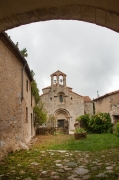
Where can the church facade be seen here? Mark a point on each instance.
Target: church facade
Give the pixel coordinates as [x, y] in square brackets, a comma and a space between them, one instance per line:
[59, 100]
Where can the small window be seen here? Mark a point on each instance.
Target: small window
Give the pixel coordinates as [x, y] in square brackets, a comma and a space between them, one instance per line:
[26, 114]
[51, 98]
[31, 99]
[71, 98]
[61, 98]
[27, 83]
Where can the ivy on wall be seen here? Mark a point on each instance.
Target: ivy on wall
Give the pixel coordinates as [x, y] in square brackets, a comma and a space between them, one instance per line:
[34, 88]
[35, 91]
[40, 114]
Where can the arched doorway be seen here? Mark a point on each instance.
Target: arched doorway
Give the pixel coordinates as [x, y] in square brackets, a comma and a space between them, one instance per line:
[62, 119]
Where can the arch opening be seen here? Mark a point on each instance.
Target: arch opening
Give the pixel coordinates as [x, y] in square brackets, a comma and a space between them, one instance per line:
[62, 119]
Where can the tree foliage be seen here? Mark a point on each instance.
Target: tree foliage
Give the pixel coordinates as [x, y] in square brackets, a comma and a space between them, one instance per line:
[98, 123]
[52, 120]
[35, 91]
[101, 123]
[34, 88]
[84, 121]
[40, 114]
[117, 129]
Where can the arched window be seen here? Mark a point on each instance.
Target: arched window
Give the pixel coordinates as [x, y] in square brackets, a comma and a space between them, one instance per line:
[61, 98]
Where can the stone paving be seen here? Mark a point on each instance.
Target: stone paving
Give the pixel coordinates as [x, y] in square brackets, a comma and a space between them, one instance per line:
[70, 165]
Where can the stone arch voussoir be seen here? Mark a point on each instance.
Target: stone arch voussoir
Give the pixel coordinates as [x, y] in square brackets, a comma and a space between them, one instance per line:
[93, 14]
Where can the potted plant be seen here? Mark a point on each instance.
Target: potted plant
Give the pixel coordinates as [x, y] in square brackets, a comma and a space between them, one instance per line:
[80, 133]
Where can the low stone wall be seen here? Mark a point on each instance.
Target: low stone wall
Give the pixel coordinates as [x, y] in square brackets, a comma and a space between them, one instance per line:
[50, 130]
[45, 130]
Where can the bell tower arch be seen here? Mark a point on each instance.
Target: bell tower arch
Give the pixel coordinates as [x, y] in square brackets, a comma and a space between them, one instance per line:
[58, 78]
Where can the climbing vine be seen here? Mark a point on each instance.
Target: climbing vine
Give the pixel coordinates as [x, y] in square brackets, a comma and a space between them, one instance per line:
[34, 88]
[40, 114]
[35, 91]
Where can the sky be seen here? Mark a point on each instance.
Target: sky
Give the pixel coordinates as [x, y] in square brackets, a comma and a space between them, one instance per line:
[88, 54]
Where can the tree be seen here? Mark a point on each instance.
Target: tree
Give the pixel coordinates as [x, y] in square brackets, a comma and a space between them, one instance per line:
[52, 120]
[40, 115]
[35, 91]
[34, 88]
[84, 121]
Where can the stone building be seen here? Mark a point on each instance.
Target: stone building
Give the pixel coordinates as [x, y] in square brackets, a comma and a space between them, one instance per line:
[108, 103]
[16, 101]
[63, 103]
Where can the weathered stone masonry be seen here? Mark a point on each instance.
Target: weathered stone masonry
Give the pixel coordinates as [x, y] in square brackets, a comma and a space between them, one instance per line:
[15, 130]
[109, 103]
[62, 102]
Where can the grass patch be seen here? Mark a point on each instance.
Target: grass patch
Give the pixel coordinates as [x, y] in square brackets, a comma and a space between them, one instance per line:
[93, 142]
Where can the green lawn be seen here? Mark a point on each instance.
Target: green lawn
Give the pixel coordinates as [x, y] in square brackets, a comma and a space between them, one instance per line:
[93, 142]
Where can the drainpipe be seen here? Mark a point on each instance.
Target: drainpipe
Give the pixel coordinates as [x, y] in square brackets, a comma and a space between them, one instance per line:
[22, 91]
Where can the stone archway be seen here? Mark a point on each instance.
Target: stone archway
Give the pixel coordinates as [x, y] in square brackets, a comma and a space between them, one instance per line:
[62, 119]
[100, 12]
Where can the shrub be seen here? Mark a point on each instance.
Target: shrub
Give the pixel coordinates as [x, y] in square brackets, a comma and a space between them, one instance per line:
[101, 123]
[84, 121]
[80, 130]
[117, 129]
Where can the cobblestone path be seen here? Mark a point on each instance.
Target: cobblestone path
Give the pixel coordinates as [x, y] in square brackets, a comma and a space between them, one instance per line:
[64, 165]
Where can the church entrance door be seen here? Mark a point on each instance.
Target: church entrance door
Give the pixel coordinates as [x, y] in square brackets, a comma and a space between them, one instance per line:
[61, 123]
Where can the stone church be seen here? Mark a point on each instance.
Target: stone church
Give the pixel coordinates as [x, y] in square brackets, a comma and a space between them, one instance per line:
[66, 105]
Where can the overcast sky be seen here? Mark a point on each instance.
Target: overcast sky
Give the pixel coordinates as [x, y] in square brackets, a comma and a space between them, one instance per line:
[87, 53]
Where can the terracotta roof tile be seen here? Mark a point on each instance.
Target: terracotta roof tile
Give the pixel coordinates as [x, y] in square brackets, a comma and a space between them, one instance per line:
[87, 99]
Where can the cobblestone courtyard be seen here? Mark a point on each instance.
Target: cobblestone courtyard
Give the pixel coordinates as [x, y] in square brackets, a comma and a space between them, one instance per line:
[38, 164]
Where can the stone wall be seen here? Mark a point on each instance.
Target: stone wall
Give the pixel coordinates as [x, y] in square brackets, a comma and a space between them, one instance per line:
[14, 131]
[103, 13]
[109, 104]
[63, 103]
[88, 108]
[103, 105]
[72, 104]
